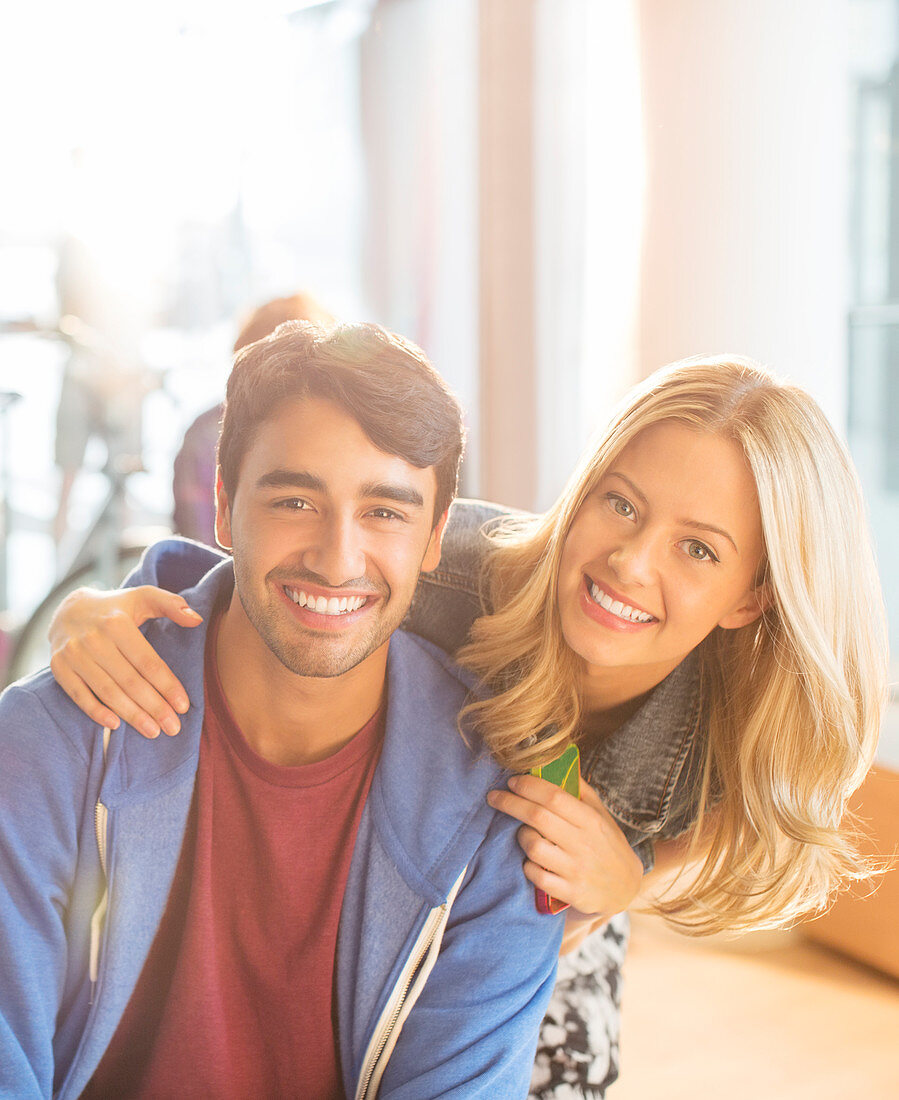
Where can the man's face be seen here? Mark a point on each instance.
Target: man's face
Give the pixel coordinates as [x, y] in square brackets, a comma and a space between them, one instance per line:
[329, 536]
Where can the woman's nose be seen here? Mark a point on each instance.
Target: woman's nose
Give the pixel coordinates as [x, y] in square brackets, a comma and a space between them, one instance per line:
[634, 560]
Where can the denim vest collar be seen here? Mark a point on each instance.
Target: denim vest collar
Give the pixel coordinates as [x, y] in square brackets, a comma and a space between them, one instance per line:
[637, 769]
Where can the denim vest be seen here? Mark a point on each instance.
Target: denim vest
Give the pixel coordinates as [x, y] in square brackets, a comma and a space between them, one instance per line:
[648, 772]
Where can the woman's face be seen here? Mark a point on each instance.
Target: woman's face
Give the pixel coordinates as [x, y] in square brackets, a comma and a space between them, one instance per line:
[664, 549]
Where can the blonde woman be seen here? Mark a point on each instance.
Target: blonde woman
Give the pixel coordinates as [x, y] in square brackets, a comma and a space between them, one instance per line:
[700, 612]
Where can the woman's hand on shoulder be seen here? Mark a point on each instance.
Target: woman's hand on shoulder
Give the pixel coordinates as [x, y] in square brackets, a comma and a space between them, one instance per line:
[575, 850]
[105, 665]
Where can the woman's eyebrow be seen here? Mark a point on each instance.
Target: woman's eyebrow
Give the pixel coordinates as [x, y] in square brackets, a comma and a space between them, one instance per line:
[698, 525]
[627, 481]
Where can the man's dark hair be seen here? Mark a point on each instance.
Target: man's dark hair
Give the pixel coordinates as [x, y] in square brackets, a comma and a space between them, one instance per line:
[385, 383]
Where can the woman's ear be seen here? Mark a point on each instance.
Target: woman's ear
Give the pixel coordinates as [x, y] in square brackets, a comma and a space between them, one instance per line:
[757, 600]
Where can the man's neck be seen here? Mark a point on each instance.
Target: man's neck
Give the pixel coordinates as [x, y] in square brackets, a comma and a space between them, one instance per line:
[289, 719]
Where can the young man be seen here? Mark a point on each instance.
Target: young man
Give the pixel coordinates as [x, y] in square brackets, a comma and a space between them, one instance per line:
[305, 893]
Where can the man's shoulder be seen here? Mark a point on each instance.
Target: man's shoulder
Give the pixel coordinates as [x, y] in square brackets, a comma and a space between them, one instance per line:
[425, 685]
[412, 656]
[37, 719]
[434, 775]
[175, 564]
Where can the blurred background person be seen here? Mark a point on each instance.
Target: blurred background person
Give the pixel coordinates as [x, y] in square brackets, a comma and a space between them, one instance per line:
[102, 384]
[193, 484]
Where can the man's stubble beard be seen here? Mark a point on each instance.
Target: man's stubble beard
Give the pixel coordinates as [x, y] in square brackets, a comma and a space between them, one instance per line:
[306, 653]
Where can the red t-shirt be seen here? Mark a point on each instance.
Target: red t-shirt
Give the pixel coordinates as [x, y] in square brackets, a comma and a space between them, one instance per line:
[236, 997]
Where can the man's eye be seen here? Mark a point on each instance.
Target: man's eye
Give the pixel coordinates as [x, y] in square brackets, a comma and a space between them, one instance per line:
[698, 551]
[385, 513]
[621, 506]
[293, 504]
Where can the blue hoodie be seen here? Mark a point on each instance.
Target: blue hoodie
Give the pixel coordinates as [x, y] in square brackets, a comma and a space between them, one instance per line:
[444, 967]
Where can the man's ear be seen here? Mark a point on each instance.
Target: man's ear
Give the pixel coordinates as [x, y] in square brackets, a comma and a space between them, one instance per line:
[432, 555]
[757, 600]
[222, 513]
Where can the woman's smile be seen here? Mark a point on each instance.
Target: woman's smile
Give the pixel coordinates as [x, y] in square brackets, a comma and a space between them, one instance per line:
[616, 605]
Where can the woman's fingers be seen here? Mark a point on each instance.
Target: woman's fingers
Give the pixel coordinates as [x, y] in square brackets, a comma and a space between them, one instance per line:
[114, 682]
[575, 850]
[550, 883]
[545, 807]
[549, 855]
[576, 810]
[104, 663]
[543, 820]
[118, 636]
[150, 602]
[83, 697]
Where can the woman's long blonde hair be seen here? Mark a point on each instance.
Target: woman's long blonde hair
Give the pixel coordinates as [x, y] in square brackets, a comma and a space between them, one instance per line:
[792, 702]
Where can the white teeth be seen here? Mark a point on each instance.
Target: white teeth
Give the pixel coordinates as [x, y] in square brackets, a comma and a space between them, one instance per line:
[324, 605]
[617, 608]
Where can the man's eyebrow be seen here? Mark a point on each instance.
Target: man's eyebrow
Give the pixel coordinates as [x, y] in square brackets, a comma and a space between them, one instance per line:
[282, 478]
[694, 524]
[401, 494]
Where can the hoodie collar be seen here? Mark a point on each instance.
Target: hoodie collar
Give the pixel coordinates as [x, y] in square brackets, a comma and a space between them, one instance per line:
[138, 767]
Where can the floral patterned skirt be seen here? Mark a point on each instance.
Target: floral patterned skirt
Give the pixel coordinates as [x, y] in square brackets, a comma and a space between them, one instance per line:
[577, 1054]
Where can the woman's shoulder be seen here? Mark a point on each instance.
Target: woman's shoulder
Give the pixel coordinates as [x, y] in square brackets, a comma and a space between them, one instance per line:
[466, 542]
[449, 598]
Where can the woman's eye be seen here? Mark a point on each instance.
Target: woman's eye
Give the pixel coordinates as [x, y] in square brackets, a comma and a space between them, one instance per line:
[620, 505]
[698, 551]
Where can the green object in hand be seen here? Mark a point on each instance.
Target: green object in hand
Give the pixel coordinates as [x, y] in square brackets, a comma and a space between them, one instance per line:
[565, 772]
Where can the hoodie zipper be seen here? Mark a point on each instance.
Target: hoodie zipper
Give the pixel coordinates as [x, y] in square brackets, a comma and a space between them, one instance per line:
[417, 970]
[101, 817]
[101, 822]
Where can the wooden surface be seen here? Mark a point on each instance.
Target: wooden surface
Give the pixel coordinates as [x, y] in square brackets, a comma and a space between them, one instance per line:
[864, 923]
[769, 1017]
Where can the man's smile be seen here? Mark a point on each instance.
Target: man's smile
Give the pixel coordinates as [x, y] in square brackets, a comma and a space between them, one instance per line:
[325, 605]
[327, 610]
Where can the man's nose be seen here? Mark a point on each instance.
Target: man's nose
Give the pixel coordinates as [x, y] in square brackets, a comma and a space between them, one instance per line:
[337, 553]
